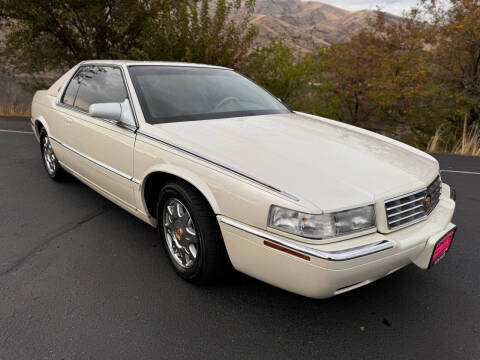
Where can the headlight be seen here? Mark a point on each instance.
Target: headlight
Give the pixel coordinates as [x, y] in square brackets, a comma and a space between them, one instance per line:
[322, 226]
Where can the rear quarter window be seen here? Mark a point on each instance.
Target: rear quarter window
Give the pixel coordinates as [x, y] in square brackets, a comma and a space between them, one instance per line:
[71, 92]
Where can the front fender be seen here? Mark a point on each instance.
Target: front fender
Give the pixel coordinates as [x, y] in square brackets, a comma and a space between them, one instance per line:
[39, 100]
[185, 175]
[40, 119]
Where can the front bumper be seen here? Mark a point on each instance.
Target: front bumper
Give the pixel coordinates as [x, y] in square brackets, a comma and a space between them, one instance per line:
[321, 271]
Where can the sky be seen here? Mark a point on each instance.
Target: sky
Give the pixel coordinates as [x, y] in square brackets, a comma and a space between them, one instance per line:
[392, 6]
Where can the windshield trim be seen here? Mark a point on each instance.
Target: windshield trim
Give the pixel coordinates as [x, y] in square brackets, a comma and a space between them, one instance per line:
[214, 116]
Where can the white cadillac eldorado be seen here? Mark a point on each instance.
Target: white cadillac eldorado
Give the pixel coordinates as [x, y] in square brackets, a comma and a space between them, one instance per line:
[230, 176]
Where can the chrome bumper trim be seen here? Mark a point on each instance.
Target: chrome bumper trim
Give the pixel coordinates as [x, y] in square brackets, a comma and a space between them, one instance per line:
[341, 255]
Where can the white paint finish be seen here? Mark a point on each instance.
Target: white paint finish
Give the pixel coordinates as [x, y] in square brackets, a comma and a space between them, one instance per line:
[320, 278]
[331, 166]
[108, 144]
[227, 193]
[326, 164]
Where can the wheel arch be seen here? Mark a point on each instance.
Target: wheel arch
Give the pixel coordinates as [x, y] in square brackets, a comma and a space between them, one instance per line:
[40, 123]
[157, 177]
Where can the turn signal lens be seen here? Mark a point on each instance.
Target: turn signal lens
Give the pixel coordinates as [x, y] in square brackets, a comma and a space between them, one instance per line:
[286, 250]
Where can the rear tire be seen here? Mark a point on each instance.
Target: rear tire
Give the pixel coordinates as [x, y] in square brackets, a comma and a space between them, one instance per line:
[50, 161]
[191, 235]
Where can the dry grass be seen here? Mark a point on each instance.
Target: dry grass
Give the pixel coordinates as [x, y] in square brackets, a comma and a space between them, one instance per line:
[434, 144]
[467, 144]
[14, 110]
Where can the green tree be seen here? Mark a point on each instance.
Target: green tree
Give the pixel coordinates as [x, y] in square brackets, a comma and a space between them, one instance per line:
[278, 69]
[52, 35]
[385, 80]
[455, 38]
[47, 35]
[348, 69]
[201, 31]
[294, 78]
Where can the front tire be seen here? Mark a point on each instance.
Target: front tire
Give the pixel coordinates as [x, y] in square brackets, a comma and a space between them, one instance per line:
[50, 161]
[191, 235]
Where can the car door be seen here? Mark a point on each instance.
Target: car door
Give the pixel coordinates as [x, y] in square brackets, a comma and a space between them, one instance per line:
[101, 149]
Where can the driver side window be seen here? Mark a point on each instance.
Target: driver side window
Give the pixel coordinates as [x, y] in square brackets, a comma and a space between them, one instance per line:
[94, 84]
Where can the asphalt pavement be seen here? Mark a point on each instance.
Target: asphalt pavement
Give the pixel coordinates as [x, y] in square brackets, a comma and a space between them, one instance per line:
[82, 279]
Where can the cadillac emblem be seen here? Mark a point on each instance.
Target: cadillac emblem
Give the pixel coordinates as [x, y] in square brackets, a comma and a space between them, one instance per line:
[427, 202]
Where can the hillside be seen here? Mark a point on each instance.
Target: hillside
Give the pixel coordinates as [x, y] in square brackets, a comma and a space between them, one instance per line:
[304, 25]
[309, 24]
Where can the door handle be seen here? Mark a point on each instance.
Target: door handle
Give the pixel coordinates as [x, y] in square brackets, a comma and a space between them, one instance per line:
[68, 121]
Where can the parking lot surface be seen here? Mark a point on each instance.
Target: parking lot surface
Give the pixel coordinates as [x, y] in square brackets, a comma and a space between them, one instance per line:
[82, 279]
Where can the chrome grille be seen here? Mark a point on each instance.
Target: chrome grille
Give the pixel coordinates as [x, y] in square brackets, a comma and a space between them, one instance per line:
[411, 207]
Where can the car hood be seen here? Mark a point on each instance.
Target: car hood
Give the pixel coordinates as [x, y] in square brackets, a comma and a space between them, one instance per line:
[329, 164]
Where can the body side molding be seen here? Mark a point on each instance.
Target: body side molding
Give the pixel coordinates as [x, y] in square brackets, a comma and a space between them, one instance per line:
[218, 163]
[89, 158]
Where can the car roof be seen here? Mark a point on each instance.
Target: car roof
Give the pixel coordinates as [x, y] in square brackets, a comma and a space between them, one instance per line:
[158, 63]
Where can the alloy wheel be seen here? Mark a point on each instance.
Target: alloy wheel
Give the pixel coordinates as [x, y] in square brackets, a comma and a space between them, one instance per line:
[49, 156]
[180, 234]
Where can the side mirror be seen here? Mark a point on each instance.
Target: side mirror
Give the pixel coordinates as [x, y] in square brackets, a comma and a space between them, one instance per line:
[109, 111]
[121, 112]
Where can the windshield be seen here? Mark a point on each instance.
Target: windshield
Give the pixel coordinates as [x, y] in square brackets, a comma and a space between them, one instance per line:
[178, 93]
